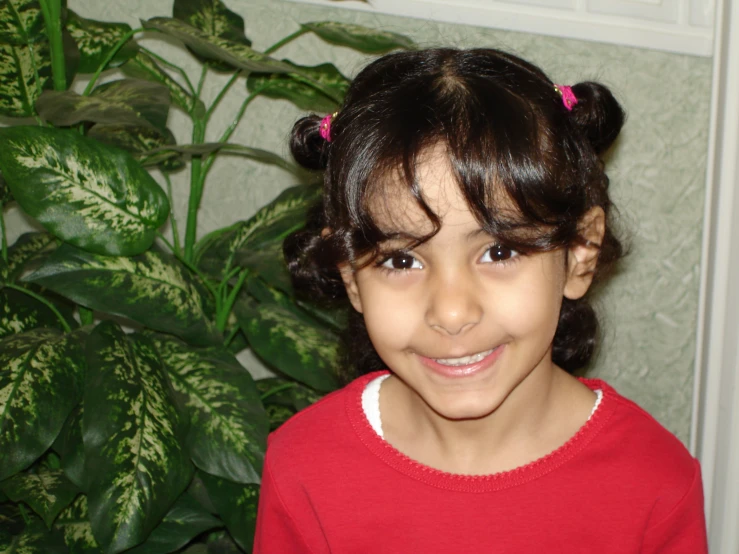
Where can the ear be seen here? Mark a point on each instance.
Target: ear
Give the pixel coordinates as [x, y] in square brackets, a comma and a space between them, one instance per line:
[582, 258]
[348, 275]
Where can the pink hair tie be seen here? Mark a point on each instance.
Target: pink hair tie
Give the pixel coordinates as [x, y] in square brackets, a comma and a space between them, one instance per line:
[568, 97]
[326, 126]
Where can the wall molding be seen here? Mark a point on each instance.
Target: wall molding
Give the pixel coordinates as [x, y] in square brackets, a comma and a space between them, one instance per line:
[680, 26]
[715, 436]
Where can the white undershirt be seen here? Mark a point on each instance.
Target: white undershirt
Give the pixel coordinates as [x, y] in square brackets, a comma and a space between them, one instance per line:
[371, 402]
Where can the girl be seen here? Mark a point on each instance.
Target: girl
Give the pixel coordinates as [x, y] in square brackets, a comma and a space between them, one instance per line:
[465, 216]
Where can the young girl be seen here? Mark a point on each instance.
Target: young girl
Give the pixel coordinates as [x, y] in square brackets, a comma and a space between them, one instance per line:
[465, 216]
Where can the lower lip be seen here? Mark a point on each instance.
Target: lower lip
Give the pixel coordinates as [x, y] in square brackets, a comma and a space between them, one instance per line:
[462, 370]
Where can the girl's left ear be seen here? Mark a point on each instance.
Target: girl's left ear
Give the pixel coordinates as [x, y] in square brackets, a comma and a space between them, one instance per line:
[582, 259]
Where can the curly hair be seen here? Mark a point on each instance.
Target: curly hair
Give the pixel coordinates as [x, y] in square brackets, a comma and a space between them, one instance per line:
[504, 128]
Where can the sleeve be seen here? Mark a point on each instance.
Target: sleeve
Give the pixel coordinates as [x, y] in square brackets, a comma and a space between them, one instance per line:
[683, 530]
[278, 531]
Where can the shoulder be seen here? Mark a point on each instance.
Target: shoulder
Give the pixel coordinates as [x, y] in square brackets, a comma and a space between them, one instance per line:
[643, 451]
[319, 428]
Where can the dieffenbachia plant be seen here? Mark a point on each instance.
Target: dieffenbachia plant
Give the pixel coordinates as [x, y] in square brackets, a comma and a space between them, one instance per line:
[126, 421]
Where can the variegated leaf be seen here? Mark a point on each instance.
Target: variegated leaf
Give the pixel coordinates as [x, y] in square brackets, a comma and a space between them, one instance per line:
[20, 313]
[95, 39]
[364, 39]
[11, 518]
[74, 523]
[237, 506]
[88, 194]
[152, 288]
[28, 248]
[301, 93]
[40, 383]
[21, 21]
[215, 20]
[69, 446]
[288, 339]
[134, 456]
[5, 196]
[140, 141]
[235, 54]
[278, 415]
[34, 539]
[46, 492]
[25, 70]
[143, 66]
[217, 252]
[186, 520]
[124, 102]
[228, 427]
[276, 390]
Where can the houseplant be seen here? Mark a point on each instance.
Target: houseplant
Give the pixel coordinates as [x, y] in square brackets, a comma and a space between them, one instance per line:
[126, 422]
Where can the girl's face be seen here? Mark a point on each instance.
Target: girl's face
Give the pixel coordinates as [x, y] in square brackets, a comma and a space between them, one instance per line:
[461, 319]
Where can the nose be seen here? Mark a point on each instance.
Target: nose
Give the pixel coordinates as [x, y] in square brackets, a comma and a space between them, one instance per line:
[454, 304]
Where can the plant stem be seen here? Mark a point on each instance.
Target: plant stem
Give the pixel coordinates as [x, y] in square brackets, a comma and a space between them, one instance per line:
[222, 316]
[111, 54]
[221, 94]
[279, 44]
[231, 336]
[197, 180]
[201, 82]
[172, 66]
[86, 316]
[275, 390]
[52, 11]
[5, 235]
[165, 241]
[172, 217]
[43, 300]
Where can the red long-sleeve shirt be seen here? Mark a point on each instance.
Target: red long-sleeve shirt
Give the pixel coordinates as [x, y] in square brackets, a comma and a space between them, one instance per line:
[623, 484]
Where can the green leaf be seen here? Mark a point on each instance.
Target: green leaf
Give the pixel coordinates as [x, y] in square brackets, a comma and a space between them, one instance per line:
[153, 289]
[74, 523]
[29, 248]
[289, 339]
[139, 141]
[276, 390]
[34, 539]
[46, 492]
[95, 39]
[364, 39]
[219, 251]
[69, 446]
[40, 383]
[143, 66]
[88, 194]
[237, 506]
[235, 54]
[123, 102]
[300, 92]
[215, 20]
[135, 460]
[21, 21]
[228, 426]
[186, 520]
[25, 70]
[20, 313]
[5, 196]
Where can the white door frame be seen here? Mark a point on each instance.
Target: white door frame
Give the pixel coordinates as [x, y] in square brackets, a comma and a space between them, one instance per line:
[715, 432]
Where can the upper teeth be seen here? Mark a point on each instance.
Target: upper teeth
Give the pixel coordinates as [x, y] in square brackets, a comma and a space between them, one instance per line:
[465, 360]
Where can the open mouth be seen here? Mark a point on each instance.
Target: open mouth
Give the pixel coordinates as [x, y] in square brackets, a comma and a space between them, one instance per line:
[464, 360]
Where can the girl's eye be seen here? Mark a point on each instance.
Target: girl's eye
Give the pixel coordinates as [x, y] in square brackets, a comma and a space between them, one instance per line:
[401, 261]
[498, 253]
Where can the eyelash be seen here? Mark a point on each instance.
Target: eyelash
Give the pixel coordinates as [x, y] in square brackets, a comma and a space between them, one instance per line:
[388, 256]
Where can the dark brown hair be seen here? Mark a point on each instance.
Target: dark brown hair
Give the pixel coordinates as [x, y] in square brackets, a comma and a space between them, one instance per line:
[505, 129]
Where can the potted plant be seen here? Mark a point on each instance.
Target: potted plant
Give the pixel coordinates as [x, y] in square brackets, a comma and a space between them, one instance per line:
[126, 422]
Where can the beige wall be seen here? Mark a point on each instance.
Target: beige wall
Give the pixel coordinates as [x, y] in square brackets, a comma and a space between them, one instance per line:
[657, 173]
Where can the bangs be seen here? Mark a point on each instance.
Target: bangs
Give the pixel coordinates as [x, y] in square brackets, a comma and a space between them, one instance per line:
[497, 131]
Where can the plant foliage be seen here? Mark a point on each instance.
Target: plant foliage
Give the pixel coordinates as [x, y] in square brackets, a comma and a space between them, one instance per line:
[126, 422]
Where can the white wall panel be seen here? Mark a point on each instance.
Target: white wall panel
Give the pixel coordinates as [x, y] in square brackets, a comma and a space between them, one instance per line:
[682, 26]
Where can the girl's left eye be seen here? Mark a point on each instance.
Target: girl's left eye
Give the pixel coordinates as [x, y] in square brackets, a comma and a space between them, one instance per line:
[498, 254]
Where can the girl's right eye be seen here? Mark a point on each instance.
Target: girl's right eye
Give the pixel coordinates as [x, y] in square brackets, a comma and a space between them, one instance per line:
[400, 261]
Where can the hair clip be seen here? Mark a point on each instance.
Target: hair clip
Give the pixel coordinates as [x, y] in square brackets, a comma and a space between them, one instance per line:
[568, 97]
[326, 126]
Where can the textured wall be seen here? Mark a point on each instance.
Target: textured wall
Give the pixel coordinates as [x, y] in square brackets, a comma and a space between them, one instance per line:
[657, 173]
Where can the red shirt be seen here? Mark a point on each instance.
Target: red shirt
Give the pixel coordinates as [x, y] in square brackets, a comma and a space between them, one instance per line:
[623, 484]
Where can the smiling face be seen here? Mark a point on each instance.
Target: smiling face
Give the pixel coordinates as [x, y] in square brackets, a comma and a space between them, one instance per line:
[460, 319]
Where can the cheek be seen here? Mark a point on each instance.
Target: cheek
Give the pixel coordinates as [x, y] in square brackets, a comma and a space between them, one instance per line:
[391, 317]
